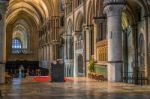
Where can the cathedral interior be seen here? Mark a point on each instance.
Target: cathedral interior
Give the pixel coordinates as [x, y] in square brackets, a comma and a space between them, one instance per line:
[96, 39]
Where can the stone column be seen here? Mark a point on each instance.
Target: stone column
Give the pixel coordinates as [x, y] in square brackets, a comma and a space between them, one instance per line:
[87, 50]
[55, 47]
[75, 58]
[3, 5]
[69, 37]
[96, 30]
[68, 52]
[148, 69]
[88, 43]
[65, 53]
[146, 46]
[50, 53]
[65, 45]
[113, 9]
[47, 52]
[44, 53]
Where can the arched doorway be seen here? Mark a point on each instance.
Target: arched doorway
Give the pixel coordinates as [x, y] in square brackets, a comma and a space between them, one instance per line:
[80, 65]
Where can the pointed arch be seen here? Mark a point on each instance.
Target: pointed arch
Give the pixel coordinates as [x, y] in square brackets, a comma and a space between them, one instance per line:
[79, 21]
[70, 27]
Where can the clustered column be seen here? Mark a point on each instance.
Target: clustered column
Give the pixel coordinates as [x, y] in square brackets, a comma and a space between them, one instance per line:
[2, 42]
[75, 63]
[68, 55]
[88, 43]
[113, 9]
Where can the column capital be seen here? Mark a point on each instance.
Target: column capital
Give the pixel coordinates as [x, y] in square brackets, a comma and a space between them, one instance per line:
[3, 6]
[55, 42]
[75, 33]
[114, 9]
[67, 36]
[100, 19]
[88, 27]
[114, 2]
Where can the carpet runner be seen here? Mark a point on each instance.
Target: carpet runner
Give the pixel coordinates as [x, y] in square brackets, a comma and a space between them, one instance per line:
[47, 79]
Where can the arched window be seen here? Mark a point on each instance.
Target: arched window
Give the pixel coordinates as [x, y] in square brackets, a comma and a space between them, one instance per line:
[62, 5]
[16, 44]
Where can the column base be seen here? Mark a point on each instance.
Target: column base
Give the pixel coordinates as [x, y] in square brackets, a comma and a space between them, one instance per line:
[69, 67]
[114, 72]
[2, 73]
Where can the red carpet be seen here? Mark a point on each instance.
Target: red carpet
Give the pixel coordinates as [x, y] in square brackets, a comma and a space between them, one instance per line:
[46, 79]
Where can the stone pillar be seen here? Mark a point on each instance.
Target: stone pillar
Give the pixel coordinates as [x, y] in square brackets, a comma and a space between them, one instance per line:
[2, 41]
[50, 53]
[146, 46]
[40, 54]
[55, 47]
[75, 58]
[69, 37]
[88, 43]
[65, 54]
[113, 9]
[96, 30]
[87, 50]
[68, 52]
[65, 49]
[44, 53]
[47, 52]
[148, 68]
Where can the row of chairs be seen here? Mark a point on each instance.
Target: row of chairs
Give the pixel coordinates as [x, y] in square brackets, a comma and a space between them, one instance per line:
[96, 76]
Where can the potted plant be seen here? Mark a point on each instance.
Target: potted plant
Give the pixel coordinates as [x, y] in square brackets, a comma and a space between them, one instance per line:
[91, 65]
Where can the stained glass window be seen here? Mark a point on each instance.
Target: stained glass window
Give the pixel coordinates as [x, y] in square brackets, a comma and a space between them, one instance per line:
[16, 44]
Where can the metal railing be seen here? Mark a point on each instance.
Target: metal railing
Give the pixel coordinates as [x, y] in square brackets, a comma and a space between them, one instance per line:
[21, 51]
[135, 78]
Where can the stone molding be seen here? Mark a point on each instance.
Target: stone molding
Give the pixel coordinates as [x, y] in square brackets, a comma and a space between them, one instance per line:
[113, 10]
[114, 2]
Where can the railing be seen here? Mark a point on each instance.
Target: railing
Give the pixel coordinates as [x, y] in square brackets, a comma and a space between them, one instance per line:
[135, 78]
[21, 51]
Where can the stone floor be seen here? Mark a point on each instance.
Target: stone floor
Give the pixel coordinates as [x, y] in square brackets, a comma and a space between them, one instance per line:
[80, 88]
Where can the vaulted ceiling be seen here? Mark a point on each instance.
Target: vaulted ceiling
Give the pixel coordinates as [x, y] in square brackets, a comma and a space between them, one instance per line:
[36, 10]
[33, 12]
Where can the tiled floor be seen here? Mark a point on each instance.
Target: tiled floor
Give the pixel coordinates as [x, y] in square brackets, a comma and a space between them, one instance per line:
[80, 88]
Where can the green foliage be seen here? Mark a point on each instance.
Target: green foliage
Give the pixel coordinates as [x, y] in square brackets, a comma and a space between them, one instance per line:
[91, 65]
